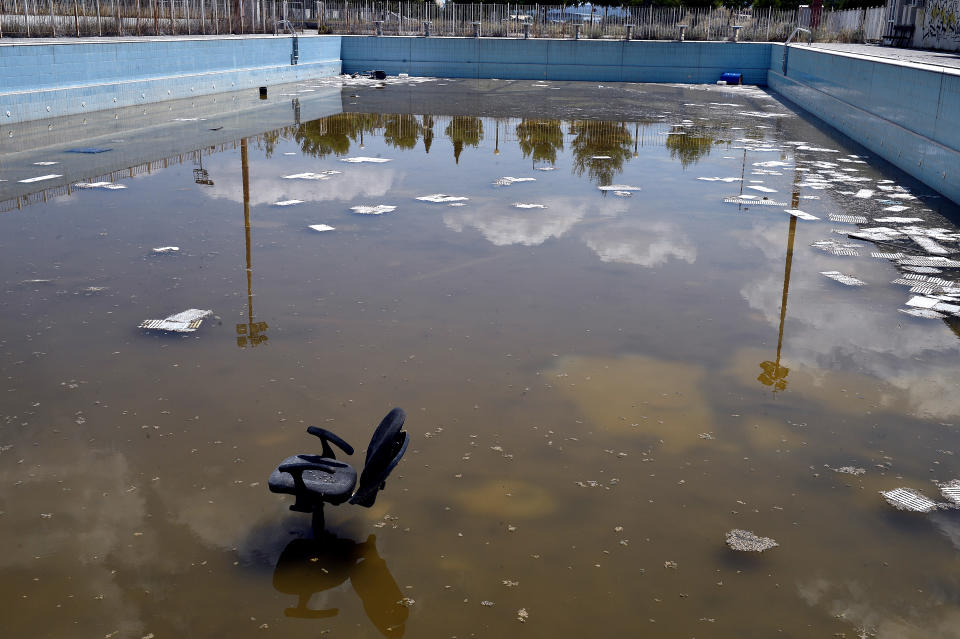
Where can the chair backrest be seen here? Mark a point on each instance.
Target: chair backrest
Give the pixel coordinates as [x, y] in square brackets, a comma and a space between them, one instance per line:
[387, 446]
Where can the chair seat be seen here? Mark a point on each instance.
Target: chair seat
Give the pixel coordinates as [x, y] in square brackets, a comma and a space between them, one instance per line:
[334, 487]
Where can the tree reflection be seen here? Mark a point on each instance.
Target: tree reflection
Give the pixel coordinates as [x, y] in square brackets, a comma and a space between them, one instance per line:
[464, 130]
[600, 149]
[427, 132]
[333, 135]
[540, 139]
[401, 131]
[689, 144]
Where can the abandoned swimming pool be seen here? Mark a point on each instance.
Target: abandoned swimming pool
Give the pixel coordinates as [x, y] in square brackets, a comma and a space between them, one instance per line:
[624, 320]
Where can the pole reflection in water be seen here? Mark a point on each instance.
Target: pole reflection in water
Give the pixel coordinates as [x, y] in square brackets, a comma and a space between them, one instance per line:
[252, 333]
[773, 374]
[307, 567]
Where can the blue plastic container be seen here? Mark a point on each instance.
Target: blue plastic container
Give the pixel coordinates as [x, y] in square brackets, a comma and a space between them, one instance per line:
[732, 78]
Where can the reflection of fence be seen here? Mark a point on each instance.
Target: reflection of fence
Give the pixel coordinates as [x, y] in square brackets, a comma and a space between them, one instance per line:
[45, 18]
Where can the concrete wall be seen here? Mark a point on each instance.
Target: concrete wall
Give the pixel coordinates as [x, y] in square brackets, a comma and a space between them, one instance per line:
[909, 114]
[545, 59]
[56, 78]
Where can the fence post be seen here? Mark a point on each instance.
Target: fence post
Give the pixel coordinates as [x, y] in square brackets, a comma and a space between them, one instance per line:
[26, 17]
[53, 23]
[99, 21]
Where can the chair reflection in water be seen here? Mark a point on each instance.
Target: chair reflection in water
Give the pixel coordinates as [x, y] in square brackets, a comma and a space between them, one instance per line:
[308, 567]
[321, 479]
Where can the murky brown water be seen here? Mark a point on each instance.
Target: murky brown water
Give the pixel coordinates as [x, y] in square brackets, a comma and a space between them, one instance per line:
[597, 391]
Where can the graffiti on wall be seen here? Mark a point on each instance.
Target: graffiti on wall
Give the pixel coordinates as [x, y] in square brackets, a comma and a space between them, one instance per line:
[941, 25]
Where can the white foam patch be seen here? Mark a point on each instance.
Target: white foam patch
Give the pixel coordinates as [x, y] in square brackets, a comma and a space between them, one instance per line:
[441, 198]
[378, 209]
[361, 160]
[321, 228]
[619, 187]
[287, 202]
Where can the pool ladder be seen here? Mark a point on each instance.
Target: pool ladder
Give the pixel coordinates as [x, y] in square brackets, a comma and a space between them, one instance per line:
[786, 45]
[279, 24]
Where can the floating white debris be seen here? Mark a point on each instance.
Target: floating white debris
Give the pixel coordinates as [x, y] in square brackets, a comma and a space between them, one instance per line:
[522, 615]
[323, 175]
[876, 234]
[752, 200]
[771, 163]
[40, 178]
[440, 198]
[762, 189]
[521, 205]
[864, 194]
[508, 180]
[836, 248]
[361, 159]
[720, 179]
[897, 220]
[47, 163]
[289, 153]
[166, 249]
[887, 256]
[847, 280]
[110, 186]
[848, 470]
[186, 322]
[321, 228]
[797, 213]
[923, 313]
[908, 499]
[287, 202]
[929, 245]
[746, 541]
[816, 149]
[928, 270]
[902, 196]
[848, 219]
[601, 157]
[378, 209]
[921, 301]
[619, 187]
[951, 491]
[623, 193]
[546, 168]
[938, 262]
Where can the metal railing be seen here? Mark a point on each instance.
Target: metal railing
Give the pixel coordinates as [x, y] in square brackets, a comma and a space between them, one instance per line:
[65, 18]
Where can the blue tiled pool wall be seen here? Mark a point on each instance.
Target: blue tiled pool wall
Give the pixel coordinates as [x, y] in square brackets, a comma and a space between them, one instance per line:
[909, 115]
[50, 80]
[544, 59]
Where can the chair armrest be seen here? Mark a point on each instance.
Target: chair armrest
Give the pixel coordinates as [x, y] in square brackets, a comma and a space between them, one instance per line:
[325, 437]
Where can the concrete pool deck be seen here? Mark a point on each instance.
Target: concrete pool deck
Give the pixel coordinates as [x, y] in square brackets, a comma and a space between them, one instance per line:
[901, 104]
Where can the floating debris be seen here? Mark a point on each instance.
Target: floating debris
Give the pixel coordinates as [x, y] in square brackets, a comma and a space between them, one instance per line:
[323, 175]
[90, 149]
[848, 219]
[762, 189]
[166, 249]
[864, 194]
[896, 208]
[847, 470]
[802, 215]
[441, 198]
[951, 491]
[706, 436]
[887, 256]
[922, 313]
[836, 248]
[908, 499]
[671, 564]
[40, 178]
[623, 193]
[321, 228]
[287, 202]
[771, 163]
[619, 187]
[110, 186]
[47, 163]
[361, 159]
[897, 220]
[746, 541]
[521, 205]
[185, 322]
[522, 615]
[938, 262]
[487, 603]
[847, 280]
[752, 200]
[508, 180]
[720, 179]
[546, 168]
[378, 209]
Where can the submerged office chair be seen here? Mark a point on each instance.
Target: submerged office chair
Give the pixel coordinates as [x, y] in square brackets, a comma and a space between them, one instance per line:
[316, 480]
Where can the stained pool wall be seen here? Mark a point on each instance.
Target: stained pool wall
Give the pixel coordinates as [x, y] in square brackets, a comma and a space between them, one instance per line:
[547, 59]
[909, 114]
[52, 79]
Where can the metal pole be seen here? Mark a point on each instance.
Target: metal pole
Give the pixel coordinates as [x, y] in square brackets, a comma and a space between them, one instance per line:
[99, 21]
[53, 24]
[187, 3]
[26, 17]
